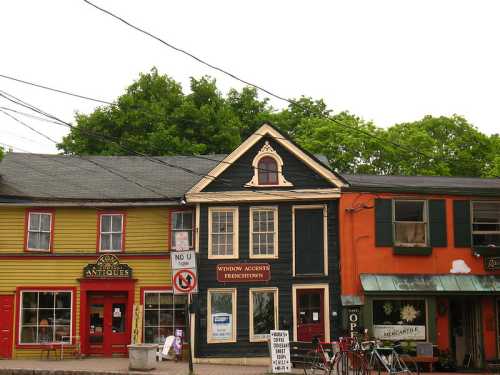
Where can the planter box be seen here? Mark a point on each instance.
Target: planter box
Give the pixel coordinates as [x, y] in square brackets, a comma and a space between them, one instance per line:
[142, 357]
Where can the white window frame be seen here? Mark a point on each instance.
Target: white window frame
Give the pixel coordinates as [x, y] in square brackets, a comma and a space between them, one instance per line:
[251, 211]
[144, 292]
[20, 316]
[268, 151]
[425, 218]
[173, 231]
[251, 291]
[235, 233]
[472, 231]
[28, 231]
[111, 232]
[234, 299]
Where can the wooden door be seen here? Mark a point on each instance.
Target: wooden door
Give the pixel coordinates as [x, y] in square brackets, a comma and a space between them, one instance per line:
[310, 316]
[109, 331]
[309, 241]
[6, 324]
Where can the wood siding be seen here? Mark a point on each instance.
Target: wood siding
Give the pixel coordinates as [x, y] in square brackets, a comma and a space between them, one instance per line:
[294, 170]
[281, 277]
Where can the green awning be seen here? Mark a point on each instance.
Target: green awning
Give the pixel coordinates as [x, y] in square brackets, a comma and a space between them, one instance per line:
[431, 284]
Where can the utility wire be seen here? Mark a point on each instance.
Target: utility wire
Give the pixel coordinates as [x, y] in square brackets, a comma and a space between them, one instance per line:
[29, 115]
[55, 90]
[27, 126]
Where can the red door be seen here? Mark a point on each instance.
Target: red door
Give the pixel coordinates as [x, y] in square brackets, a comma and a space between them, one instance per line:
[310, 319]
[6, 324]
[109, 324]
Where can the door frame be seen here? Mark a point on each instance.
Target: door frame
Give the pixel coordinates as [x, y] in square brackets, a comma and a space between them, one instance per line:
[11, 297]
[102, 285]
[326, 306]
[324, 207]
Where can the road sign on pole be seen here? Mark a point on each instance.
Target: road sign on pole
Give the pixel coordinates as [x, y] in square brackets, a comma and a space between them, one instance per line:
[185, 281]
[183, 259]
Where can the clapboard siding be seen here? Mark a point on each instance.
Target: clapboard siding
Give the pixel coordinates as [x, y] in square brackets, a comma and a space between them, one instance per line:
[294, 170]
[281, 277]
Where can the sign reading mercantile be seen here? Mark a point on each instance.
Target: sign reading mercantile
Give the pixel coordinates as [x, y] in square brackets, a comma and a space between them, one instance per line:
[107, 266]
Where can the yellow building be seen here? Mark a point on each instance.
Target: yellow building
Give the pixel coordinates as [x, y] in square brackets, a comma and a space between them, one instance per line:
[83, 240]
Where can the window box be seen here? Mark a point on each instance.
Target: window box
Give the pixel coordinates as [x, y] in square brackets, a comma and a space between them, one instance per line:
[417, 250]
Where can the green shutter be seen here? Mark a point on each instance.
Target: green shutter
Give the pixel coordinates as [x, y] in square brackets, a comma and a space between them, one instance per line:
[437, 223]
[383, 222]
[461, 223]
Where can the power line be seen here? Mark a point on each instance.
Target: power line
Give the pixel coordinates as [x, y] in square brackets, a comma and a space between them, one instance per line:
[55, 90]
[27, 126]
[258, 87]
[29, 115]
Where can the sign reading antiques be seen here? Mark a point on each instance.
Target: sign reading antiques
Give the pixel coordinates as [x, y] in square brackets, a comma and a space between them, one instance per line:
[107, 266]
[243, 272]
[492, 263]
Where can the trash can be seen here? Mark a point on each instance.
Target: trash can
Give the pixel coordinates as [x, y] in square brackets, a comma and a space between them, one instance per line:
[142, 357]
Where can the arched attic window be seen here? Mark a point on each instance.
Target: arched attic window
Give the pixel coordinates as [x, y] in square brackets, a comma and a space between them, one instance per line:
[267, 169]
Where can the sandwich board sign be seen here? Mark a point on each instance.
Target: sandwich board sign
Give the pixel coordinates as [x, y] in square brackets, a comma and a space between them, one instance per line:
[279, 346]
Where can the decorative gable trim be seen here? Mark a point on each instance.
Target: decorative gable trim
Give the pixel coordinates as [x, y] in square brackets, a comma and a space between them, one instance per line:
[266, 130]
[268, 151]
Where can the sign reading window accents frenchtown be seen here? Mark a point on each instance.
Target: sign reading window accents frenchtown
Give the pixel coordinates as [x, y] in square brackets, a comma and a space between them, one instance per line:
[107, 266]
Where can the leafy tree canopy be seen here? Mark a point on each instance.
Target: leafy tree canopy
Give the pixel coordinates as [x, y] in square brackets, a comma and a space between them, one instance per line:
[155, 117]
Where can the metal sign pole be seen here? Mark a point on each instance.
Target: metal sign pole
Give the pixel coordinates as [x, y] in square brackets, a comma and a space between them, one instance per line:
[188, 335]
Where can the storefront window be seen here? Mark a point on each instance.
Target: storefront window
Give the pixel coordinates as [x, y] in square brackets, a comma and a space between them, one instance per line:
[399, 319]
[486, 223]
[46, 317]
[221, 315]
[182, 221]
[263, 313]
[410, 227]
[263, 224]
[163, 314]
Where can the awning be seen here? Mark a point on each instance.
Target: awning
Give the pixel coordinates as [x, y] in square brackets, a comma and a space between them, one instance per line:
[430, 284]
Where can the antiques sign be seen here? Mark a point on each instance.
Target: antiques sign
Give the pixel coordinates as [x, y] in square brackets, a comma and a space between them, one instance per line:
[492, 263]
[107, 266]
[243, 272]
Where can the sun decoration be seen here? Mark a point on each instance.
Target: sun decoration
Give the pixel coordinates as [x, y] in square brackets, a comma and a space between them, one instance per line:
[408, 313]
[387, 308]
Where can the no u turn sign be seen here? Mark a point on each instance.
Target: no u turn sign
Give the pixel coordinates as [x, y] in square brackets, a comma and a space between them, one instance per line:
[185, 281]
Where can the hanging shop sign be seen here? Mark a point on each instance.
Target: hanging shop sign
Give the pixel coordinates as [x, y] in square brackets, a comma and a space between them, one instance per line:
[399, 332]
[492, 263]
[279, 346]
[107, 266]
[243, 272]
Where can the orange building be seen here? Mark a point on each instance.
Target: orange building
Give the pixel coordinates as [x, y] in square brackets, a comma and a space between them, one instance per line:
[420, 261]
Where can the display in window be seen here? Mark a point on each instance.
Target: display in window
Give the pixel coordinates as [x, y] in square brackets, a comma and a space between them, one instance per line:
[221, 315]
[163, 314]
[410, 223]
[399, 319]
[263, 313]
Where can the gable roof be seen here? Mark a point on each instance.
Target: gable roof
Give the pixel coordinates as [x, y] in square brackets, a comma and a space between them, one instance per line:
[319, 166]
[424, 184]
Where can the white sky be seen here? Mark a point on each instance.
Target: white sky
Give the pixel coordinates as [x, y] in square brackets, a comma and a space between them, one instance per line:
[386, 61]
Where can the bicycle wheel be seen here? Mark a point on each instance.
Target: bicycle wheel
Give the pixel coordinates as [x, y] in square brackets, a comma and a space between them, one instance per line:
[408, 365]
[351, 363]
[314, 363]
[373, 365]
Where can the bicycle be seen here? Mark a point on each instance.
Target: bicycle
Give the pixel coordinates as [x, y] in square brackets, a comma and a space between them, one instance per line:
[386, 359]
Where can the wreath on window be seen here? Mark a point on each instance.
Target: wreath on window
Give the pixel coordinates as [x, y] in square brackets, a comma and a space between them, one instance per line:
[388, 308]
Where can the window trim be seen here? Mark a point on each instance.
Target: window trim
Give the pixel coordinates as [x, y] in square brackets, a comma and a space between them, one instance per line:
[251, 210]
[171, 226]
[326, 306]
[425, 218]
[235, 211]
[18, 314]
[268, 151]
[472, 220]
[124, 226]
[325, 235]
[275, 291]
[234, 298]
[49, 211]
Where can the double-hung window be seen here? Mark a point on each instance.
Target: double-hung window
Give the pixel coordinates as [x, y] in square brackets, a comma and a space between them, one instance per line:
[164, 312]
[221, 310]
[45, 317]
[410, 223]
[39, 231]
[263, 312]
[182, 226]
[111, 232]
[486, 223]
[223, 232]
[263, 232]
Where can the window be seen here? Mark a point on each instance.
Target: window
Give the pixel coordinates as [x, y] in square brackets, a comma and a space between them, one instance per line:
[263, 232]
[46, 317]
[164, 312]
[263, 312]
[111, 232]
[399, 319]
[182, 222]
[268, 171]
[410, 223]
[221, 309]
[223, 232]
[486, 223]
[39, 231]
